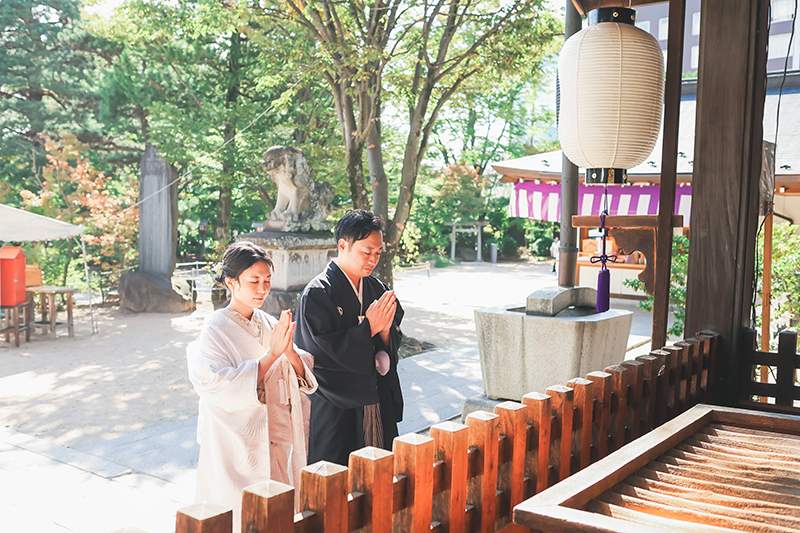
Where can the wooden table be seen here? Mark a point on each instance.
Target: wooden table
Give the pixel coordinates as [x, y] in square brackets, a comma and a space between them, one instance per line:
[12, 324]
[48, 310]
[710, 469]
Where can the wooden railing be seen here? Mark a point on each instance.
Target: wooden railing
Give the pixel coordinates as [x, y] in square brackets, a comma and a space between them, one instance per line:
[784, 389]
[466, 478]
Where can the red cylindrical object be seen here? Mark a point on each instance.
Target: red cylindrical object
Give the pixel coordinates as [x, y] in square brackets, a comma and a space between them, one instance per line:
[12, 275]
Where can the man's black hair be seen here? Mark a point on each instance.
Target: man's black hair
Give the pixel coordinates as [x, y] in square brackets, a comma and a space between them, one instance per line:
[357, 225]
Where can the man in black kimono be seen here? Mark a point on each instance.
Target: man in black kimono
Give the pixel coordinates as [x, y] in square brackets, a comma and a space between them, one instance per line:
[350, 322]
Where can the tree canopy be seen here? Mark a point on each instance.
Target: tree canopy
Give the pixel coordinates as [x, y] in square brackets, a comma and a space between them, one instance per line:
[214, 84]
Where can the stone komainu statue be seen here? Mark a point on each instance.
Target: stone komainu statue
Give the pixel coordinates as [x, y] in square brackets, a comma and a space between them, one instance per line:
[301, 203]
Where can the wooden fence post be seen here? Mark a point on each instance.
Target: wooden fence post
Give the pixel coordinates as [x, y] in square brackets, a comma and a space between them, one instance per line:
[268, 507]
[370, 473]
[514, 426]
[685, 365]
[703, 359]
[748, 362]
[662, 385]
[695, 369]
[449, 507]
[539, 406]
[633, 419]
[325, 493]
[204, 518]
[650, 366]
[619, 405]
[484, 431]
[602, 413]
[787, 368]
[562, 401]
[711, 364]
[582, 421]
[674, 372]
[413, 458]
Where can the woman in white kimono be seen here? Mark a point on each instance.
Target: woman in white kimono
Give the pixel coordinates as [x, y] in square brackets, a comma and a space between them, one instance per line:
[252, 381]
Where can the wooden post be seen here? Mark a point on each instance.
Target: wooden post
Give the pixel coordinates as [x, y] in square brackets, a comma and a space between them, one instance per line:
[584, 408]
[602, 413]
[562, 402]
[484, 430]
[451, 441]
[325, 493]
[633, 419]
[514, 426]
[414, 460]
[787, 368]
[539, 405]
[268, 507]
[695, 369]
[766, 295]
[748, 359]
[728, 153]
[669, 167]
[674, 371]
[705, 365]
[370, 473]
[662, 385]
[204, 518]
[650, 365]
[685, 365]
[619, 405]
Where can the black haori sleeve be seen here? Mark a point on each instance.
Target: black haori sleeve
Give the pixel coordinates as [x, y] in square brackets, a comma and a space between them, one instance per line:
[343, 349]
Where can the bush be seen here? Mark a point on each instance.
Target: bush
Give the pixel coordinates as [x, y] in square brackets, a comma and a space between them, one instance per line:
[677, 288]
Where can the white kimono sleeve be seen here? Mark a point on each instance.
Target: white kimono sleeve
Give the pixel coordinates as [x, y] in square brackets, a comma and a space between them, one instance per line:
[216, 379]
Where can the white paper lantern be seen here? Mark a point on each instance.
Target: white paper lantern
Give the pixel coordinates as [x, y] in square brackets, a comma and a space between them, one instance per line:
[611, 85]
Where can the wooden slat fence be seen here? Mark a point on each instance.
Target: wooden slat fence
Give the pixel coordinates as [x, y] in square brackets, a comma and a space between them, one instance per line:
[467, 478]
[785, 389]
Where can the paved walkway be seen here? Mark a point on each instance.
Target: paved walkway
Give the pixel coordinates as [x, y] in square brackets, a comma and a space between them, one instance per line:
[141, 479]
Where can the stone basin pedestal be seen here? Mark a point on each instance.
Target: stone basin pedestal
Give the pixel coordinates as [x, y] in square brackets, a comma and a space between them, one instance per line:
[557, 336]
[297, 259]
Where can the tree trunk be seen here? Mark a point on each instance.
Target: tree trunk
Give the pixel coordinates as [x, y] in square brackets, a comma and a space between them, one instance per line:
[222, 231]
[300, 134]
[354, 154]
[380, 199]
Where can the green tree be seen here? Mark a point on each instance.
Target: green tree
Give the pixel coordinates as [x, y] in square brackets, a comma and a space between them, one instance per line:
[785, 287]
[213, 90]
[677, 286]
[48, 70]
[422, 55]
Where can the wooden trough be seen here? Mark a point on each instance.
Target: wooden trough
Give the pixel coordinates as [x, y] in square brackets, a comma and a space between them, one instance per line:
[710, 469]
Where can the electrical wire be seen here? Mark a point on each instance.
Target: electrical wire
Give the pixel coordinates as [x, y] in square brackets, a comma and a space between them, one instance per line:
[189, 171]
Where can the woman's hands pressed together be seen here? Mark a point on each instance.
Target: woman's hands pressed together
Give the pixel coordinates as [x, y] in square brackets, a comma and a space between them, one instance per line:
[281, 342]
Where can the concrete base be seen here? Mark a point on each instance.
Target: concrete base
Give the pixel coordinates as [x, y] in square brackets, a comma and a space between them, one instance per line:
[297, 259]
[477, 403]
[522, 353]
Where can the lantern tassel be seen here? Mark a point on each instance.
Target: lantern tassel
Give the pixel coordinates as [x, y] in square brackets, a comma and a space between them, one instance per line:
[603, 290]
[604, 277]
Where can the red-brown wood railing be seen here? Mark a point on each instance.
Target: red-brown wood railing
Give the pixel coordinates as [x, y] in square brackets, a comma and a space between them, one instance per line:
[466, 478]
